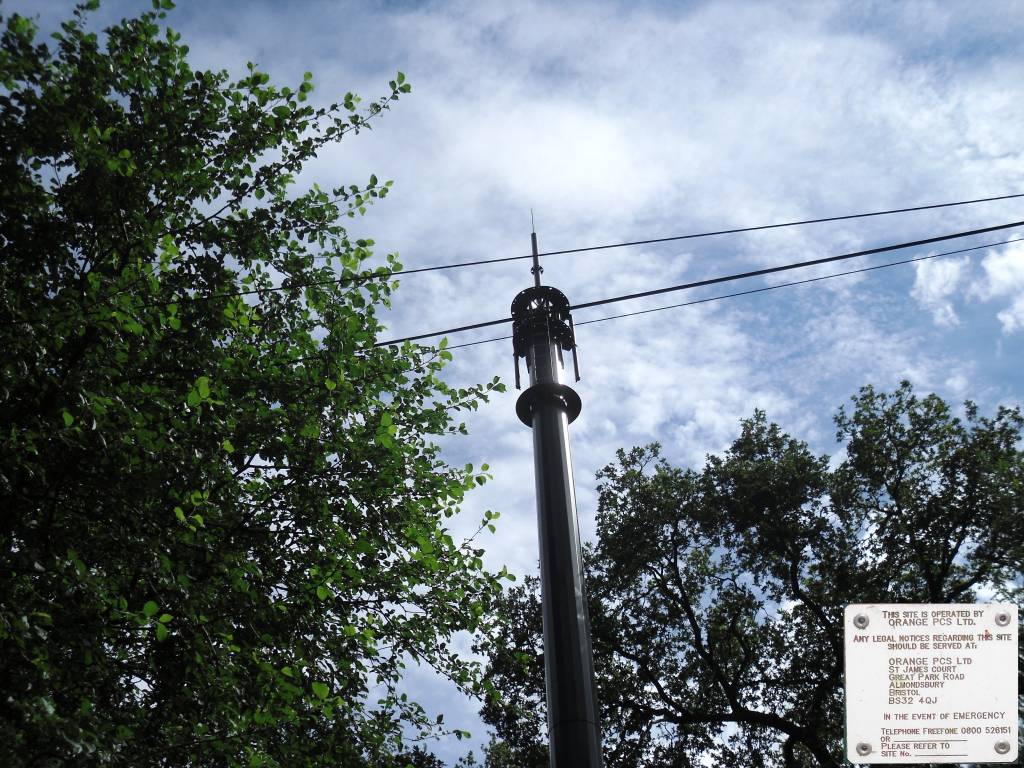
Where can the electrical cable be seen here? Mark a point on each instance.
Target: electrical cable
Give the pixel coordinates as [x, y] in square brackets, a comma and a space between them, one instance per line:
[385, 275]
[358, 279]
[737, 230]
[444, 332]
[797, 265]
[762, 289]
[761, 227]
[722, 279]
[795, 282]
[475, 343]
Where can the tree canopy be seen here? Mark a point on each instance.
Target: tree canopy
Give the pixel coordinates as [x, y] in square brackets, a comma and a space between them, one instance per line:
[223, 513]
[716, 597]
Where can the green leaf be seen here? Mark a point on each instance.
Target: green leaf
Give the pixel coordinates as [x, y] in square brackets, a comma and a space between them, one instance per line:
[68, 419]
[322, 690]
[323, 592]
[150, 608]
[161, 632]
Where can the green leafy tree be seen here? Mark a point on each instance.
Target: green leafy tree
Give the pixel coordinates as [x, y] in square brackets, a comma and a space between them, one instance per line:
[716, 597]
[223, 513]
[419, 758]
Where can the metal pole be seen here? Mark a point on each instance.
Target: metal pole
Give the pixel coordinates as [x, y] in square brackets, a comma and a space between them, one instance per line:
[542, 329]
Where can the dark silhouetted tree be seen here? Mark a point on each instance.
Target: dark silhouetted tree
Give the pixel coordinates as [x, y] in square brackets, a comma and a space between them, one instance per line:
[716, 597]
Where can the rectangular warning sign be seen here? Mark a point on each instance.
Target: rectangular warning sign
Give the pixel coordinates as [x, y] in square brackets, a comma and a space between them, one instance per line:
[932, 683]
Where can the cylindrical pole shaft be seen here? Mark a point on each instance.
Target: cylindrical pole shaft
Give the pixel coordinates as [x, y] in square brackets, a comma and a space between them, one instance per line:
[573, 729]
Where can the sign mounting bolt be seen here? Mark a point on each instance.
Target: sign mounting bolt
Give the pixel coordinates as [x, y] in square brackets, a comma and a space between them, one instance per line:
[863, 748]
[1002, 619]
[860, 621]
[1002, 747]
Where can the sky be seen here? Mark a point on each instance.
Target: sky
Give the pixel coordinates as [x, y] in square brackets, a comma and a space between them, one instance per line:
[622, 121]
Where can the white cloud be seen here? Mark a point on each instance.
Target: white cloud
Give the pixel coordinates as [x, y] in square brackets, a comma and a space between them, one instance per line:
[1012, 318]
[1004, 279]
[935, 283]
[1004, 272]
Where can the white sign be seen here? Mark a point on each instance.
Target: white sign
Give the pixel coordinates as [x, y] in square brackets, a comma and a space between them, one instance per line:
[931, 683]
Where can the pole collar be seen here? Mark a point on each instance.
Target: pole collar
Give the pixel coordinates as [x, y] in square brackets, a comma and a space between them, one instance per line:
[549, 391]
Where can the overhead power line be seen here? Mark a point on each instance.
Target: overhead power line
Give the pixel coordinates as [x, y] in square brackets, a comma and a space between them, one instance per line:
[763, 289]
[712, 233]
[384, 274]
[796, 282]
[761, 227]
[482, 341]
[445, 332]
[723, 279]
[387, 275]
[797, 265]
